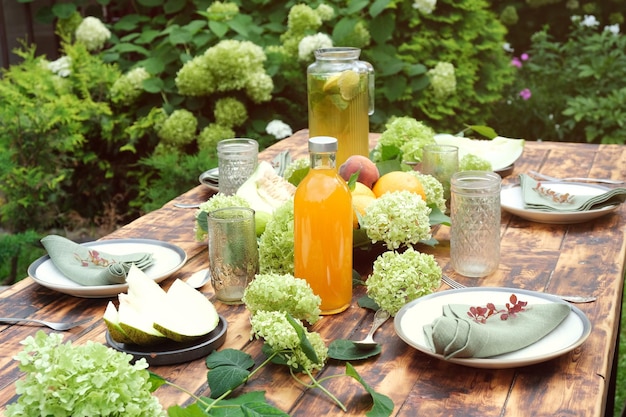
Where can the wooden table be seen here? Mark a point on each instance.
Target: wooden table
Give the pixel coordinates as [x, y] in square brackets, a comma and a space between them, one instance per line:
[579, 258]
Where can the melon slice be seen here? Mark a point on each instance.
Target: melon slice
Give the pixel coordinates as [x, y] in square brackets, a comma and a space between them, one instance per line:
[111, 319]
[501, 152]
[135, 319]
[186, 314]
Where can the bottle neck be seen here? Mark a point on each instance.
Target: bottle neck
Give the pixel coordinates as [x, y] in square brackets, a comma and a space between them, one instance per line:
[323, 160]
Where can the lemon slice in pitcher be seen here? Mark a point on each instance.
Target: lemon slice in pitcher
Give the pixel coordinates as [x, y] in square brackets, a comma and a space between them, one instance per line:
[348, 83]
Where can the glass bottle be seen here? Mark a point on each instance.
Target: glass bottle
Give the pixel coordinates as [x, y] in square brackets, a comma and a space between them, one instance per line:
[475, 223]
[323, 229]
[340, 98]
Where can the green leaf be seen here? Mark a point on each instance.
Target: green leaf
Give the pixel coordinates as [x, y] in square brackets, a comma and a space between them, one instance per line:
[437, 216]
[229, 357]
[63, 10]
[218, 28]
[305, 344]
[345, 350]
[261, 409]
[378, 7]
[225, 378]
[180, 36]
[150, 3]
[486, 131]
[241, 24]
[173, 6]
[355, 6]
[367, 302]
[193, 410]
[382, 27]
[155, 380]
[383, 405]
[153, 85]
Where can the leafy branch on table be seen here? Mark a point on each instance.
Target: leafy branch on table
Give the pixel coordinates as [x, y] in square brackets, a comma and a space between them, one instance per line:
[481, 314]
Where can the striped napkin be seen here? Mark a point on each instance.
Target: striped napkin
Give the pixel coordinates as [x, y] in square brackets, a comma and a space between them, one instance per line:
[456, 335]
[539, 196]
[90, 267]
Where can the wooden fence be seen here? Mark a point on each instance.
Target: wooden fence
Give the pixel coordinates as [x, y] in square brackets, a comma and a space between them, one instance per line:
[17, 22]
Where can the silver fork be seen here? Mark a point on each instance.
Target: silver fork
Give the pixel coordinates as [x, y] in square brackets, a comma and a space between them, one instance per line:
[570, 298]
[60, 326]
[581, 179]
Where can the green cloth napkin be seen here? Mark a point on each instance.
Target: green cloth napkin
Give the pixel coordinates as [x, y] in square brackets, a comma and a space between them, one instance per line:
[537, 201]
[89, 266]
[456, 335]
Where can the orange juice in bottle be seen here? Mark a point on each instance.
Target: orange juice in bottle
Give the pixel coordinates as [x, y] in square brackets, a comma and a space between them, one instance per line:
[340, 91]
[323, 229]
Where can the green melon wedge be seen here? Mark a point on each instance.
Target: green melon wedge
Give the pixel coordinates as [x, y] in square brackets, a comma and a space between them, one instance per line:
[111, 319]
[135, 319]
[186, 314]
[501, 152]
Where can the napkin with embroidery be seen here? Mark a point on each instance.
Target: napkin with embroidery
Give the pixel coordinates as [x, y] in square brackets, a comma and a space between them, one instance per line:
[539, 196]
[90, 267]
[456, 335]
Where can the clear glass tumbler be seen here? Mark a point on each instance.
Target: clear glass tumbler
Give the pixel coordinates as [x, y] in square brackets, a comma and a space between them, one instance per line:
[233, 252]
[237, 159]
[475, 223]
[441, 161]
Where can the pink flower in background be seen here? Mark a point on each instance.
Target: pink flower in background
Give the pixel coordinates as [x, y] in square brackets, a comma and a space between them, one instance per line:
[516, 62]
[525, 94]
[524, 57]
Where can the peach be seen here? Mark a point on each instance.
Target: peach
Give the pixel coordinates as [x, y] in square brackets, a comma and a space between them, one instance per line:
[361, 165]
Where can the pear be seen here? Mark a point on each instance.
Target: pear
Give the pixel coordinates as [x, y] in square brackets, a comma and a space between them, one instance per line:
[186, 314]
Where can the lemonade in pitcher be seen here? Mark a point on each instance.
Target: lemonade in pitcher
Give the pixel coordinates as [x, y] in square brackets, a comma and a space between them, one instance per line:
[340, 99]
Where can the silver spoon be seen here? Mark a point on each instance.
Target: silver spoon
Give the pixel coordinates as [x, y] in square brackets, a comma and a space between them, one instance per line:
[199, 279]
[181, 205]
[380, 317]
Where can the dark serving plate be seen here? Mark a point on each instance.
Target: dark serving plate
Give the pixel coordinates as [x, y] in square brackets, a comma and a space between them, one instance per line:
[169, 353]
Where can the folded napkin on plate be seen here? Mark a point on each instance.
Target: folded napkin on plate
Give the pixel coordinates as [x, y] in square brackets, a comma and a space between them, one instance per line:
[456, 335]
[88, 266]
[542, 197]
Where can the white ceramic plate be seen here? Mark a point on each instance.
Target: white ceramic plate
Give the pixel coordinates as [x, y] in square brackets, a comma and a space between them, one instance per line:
[570, 334]
[168, 259]
[512, 201]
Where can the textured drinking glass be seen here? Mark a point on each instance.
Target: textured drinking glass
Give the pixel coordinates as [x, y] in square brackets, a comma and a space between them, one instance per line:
[441, 161]
[233, 252]
[237, 159]
[475, 223]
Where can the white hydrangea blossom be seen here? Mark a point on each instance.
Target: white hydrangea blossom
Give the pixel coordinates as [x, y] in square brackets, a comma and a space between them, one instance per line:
[443, 79]
[614, 29]
[92, 33]
[425, 6]
[61, 66]
[587, 20]
[128, 87]
[507, 47]
[279, 129]
[309, 44]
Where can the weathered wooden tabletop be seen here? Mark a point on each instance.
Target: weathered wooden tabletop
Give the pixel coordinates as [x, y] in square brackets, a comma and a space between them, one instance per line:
[577, 258]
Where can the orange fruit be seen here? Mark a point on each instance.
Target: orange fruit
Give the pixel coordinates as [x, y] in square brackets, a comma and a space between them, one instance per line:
[360, 203]
[398, 181]
[362, 189]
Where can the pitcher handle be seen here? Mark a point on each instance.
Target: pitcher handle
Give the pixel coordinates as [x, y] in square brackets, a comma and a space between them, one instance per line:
[371, 85]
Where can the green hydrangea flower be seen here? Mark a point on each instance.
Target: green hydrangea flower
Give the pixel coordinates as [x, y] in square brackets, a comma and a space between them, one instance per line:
[432, 188]
[397, 218]
[407, 134]
[276, 243]
[211, 134]
[230, 112]
[222, 11]
[179, 128]
[443, 79]
[128, 87]
[92, 33]
[471, 162]
[217, 201]
[398, 278]
[276, 292]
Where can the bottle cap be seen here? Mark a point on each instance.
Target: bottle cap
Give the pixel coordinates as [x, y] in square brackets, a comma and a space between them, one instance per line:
[322, 144]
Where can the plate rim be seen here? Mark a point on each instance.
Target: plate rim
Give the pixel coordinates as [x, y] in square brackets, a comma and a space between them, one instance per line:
[172, 356]
[555, 217]
[207, 184]
[97, 291]
[493, 362]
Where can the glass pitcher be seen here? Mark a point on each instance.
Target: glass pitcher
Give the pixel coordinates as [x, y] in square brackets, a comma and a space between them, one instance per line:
[341, 97]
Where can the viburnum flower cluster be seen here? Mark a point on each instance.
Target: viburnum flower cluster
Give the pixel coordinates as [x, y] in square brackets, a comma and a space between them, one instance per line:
[128, 87]
[309, 44]
[425, 6]
[443, 79]
[279, 129]
[92, 33]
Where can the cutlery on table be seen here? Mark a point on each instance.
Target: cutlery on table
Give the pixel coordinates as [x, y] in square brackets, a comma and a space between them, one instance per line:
[199, 279]
[574, 179]
[570, 298]
[181, 205]
[380, 317]
[60, 326]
